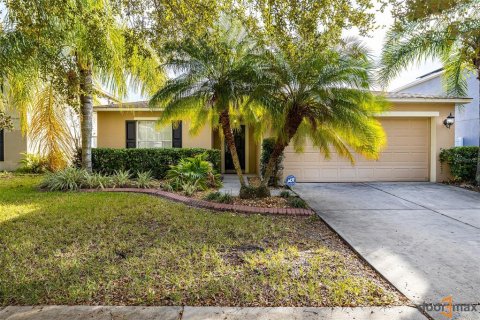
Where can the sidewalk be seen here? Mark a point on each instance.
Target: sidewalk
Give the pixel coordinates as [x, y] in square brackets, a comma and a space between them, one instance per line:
[210, 313]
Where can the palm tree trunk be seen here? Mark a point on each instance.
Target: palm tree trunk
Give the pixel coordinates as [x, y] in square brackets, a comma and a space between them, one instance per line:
[294, 119]
[230, 140]
[86, 108]
[276, 152]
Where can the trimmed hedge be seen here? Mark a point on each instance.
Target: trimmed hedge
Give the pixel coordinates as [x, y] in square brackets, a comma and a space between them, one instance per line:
[462, 162]
[155, 160]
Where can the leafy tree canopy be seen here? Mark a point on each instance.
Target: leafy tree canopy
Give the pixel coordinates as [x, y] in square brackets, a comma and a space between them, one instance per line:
[5, 121]
[451, 33]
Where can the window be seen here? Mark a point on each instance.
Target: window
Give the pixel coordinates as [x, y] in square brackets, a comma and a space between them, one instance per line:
[150, 136]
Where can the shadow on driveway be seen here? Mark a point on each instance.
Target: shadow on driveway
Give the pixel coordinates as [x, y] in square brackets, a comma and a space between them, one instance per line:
[423, 237]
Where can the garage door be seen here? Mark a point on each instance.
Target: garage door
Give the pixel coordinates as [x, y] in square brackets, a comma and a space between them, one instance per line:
[406, 157]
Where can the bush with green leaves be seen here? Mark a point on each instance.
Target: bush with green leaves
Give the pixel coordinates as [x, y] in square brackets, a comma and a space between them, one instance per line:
[285, 194]
[98, 181]
[297, 202]
[252, 192]
[156, 160]
[267, 148]
[121, 178]
[213, 196]
[167, 186]
[189, 189]
[69, 179]
[33, 163]
[219, 197]
[462, 162]
[194, 172]
[145, 180]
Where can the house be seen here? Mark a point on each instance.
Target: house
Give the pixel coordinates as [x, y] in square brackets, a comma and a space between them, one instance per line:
[414, 126]
[467, 128]
[12, 145]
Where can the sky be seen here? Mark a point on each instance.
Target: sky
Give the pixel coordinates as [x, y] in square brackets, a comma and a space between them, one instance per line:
[374, 42]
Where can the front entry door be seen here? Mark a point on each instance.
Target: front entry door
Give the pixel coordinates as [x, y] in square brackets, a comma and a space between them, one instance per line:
[239, 135]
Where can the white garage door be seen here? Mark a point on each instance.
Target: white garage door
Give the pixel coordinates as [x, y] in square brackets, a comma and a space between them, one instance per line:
[405, 158]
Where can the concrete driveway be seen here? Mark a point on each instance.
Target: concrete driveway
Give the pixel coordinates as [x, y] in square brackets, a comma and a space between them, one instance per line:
[423, 237]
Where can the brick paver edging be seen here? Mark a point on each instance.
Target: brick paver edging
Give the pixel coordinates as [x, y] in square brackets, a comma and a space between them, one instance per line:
[210, 205]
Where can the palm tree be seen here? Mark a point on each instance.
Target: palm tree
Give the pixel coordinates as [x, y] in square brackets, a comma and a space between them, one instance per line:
[213, 80]
[453, 35]
[325, 97]
[70, 48]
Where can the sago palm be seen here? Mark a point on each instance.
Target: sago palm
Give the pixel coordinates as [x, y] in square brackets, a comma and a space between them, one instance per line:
[212, 82]
[453, 35]
[323, 96]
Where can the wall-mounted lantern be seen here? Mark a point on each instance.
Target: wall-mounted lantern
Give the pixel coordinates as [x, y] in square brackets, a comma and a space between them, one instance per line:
[449, 121]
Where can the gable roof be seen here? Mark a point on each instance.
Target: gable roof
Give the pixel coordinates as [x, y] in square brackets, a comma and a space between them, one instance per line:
[405, 97]
[126, 106]
[423, 78]
[398, 97]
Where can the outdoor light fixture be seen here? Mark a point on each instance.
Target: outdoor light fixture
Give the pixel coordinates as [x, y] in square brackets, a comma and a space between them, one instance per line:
[449, 121]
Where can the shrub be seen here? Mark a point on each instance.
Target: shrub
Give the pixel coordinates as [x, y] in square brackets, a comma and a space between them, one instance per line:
[251, 192]
[193, 172]
[213, 196]
[33, 163]
[144, 179]
[97, 180]
[155, 160]
[121, 178]
[189, 188]
[462, 162]
[267, 148]
[68, 179]
[297, 202]
[225, 198]
[167, 186]
[285, 194]
[219, 197]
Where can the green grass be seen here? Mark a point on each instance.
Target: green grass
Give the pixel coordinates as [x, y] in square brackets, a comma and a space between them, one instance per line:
[114, 248]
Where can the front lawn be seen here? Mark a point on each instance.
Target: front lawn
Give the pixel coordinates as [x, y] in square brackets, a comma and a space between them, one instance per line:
[115, 249]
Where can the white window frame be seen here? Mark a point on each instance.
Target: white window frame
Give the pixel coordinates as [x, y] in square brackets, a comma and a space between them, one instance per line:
[137, 141]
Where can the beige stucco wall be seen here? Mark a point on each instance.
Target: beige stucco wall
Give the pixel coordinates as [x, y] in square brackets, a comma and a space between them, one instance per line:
[111, 132]
[439, 137]
[444, 138]
[14, 145]
[111, 129]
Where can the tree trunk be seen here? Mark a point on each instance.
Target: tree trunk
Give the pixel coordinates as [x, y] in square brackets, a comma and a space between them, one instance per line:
[276, 152]
[294, 119]
[230, 140]
[86, 108]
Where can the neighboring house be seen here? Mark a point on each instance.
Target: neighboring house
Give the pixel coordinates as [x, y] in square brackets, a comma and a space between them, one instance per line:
[14, 143]
[467, 128]
[414, 127]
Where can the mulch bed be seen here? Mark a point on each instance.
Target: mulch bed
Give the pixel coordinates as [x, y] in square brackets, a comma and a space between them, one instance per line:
[200, 203]
[269, 202]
